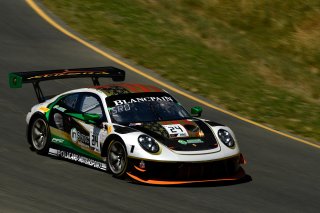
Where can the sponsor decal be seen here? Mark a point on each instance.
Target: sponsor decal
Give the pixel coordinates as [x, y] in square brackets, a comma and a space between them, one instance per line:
[120, 108]
[94, 140]
[74, 135]
[57, 140]
[66, 72]
[176, 130]
[142, 99]
[78, 158]
[77, 136]
[59, 108]
[190, 141]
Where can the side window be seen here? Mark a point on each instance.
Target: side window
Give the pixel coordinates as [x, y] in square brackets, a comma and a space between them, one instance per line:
[90, 104]
[70, 101]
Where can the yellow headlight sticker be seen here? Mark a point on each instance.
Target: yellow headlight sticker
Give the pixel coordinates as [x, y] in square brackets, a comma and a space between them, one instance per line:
[109, 129]
[44, 109]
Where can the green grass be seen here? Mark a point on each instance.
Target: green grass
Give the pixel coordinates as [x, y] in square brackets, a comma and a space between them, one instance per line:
[260, 59]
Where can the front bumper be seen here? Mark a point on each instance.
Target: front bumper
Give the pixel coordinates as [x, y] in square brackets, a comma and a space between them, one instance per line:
[165, 173]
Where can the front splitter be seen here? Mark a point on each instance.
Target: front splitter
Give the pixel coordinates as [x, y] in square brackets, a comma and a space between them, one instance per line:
[239, 175]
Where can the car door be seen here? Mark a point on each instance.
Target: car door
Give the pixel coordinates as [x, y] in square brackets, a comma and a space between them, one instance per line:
[71, 126]
[60, 121]
[90, 105]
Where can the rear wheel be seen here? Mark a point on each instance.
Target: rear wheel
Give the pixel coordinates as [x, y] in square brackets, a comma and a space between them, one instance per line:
[39, 135]
[117, 158]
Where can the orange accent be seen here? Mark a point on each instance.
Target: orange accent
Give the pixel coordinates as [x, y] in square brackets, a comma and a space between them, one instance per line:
[200, 134]
[67, 72]
[242, 160]
[141, 88]
[182, 122]
[87, 71]
[130, 87]
[139, 169]
[144, 88]
[238, 176]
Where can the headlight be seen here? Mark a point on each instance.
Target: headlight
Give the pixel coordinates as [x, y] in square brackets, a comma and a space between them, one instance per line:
[226, 137]
[148, 144]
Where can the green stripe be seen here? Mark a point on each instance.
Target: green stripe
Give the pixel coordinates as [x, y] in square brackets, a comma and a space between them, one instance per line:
[52, 105]
[71, 145]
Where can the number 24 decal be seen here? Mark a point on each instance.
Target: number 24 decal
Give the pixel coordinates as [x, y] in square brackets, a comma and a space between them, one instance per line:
[177, 129]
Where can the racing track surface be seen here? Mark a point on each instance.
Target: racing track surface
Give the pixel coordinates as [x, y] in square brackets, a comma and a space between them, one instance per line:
[285, 173]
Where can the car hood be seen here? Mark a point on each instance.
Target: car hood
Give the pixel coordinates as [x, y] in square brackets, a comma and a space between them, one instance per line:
[180, 135]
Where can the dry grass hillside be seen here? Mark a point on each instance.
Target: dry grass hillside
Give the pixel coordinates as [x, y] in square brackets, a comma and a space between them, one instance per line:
[260, 59]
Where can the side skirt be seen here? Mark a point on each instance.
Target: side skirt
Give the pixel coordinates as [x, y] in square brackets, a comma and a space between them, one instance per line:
[70, 155]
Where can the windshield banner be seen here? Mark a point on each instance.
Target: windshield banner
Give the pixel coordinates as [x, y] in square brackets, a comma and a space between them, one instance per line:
[144, 99]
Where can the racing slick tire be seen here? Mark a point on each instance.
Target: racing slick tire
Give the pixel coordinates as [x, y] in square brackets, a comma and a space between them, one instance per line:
[39, 135]
[117, 158]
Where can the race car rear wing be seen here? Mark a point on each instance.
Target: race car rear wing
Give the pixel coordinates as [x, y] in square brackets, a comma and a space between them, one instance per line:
[16, 79]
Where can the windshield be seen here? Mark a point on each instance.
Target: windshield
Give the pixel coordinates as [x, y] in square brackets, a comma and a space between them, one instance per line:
[144, 107]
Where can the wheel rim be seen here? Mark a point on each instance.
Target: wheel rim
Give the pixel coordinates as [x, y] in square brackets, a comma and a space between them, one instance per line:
[117, 158]
[39, 134]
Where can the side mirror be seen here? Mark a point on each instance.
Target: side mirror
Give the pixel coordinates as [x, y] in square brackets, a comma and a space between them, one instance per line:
[91, 117]
[196, 111]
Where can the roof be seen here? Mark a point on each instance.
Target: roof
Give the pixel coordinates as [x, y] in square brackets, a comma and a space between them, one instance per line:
[124, 88]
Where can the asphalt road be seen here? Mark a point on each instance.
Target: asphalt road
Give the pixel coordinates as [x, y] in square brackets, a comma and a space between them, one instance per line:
[285, 173]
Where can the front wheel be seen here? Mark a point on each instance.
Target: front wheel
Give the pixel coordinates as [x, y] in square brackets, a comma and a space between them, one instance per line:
[39, 135]
[117, 158]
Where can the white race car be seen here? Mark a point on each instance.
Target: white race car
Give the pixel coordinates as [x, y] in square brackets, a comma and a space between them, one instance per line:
[131, 130]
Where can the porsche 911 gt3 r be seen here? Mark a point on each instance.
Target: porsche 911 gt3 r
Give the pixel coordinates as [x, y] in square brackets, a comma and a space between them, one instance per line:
[133, 130]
